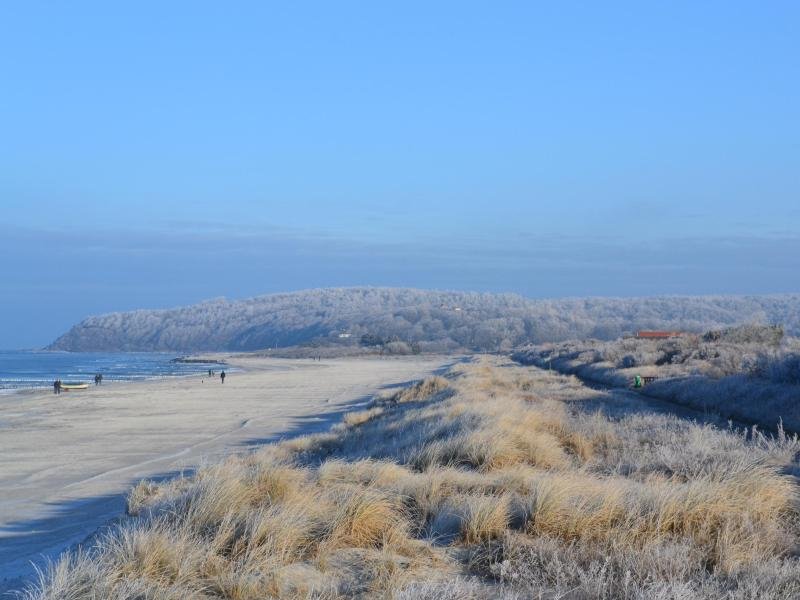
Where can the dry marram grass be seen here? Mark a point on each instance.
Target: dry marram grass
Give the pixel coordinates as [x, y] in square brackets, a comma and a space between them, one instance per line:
[489, 482]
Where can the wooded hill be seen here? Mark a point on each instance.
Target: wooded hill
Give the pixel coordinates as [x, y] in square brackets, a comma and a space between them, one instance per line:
[420, 320]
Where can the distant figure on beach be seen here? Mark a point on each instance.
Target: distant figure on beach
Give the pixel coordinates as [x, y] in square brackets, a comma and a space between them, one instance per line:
[100, 378]
[97, 379]
[55, 386]
[209, 372]
[222, 376]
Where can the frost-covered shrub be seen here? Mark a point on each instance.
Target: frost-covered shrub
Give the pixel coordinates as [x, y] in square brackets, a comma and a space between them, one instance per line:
[781, 368]
[747, 334]
[397, 348]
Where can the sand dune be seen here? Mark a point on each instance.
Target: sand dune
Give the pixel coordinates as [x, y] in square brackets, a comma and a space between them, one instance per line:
[67, 460]
[490, 481]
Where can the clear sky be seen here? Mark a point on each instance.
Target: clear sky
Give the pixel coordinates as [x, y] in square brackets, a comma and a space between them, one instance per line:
[159, 153]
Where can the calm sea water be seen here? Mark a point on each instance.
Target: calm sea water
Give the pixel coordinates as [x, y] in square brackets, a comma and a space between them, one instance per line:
[31, 369]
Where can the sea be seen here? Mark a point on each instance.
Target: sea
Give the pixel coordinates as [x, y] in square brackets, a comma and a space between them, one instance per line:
[25, 369]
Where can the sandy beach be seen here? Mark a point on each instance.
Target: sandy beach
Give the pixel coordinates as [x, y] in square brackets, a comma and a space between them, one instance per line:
[67, 461]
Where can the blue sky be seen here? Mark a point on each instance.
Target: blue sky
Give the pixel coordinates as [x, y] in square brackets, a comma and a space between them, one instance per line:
[156, 154]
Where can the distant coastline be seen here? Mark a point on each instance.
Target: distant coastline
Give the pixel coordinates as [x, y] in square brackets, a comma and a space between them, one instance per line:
[406, 321]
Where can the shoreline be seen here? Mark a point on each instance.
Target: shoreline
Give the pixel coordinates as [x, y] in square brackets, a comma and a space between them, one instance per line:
[71, 461]
[191, 359]
[110, 382]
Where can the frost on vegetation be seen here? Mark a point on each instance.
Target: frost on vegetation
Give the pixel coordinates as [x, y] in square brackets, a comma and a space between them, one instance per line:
[749, 373]
[496, 481]
[405, 321]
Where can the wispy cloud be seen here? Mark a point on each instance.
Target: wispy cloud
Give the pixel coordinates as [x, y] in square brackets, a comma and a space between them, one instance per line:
[470, 252]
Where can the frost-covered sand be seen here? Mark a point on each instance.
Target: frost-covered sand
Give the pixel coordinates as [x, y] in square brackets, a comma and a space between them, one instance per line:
[66, 461]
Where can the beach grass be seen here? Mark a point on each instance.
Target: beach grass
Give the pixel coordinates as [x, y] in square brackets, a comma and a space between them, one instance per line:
[490, 481]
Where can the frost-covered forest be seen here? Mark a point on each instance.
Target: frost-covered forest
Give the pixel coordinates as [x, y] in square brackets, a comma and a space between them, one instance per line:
[420, 320]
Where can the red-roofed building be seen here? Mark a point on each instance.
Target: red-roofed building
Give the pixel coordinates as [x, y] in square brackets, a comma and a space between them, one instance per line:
[658, 335]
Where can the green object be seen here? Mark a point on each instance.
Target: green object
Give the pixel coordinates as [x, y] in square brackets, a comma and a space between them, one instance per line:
[637, 381]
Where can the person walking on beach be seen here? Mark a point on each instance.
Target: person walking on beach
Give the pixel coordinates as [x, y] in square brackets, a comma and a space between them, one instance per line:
[55, 386]
[97, 379]
[222, 376]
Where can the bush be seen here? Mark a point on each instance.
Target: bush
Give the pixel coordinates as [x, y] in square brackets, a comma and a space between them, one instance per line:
[781, 368]
[747, 334]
